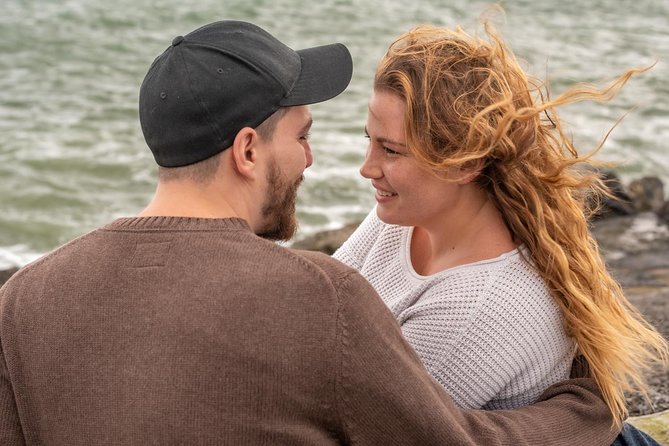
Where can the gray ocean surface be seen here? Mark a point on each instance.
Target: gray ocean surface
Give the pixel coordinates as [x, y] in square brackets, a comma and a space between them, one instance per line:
[72, 156]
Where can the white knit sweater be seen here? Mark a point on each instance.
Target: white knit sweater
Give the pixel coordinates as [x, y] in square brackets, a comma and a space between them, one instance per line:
[489, 331]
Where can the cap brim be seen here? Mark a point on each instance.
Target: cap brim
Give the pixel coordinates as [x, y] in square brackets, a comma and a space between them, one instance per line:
[326, 72]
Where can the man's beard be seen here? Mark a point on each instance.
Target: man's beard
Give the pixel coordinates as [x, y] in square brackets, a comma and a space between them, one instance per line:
[278, 211]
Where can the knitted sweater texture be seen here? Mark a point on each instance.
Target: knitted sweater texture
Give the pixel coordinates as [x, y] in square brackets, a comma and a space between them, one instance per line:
[183, 331]
[489, 332]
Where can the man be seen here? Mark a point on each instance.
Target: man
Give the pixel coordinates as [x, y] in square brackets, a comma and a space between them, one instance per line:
[184, 325]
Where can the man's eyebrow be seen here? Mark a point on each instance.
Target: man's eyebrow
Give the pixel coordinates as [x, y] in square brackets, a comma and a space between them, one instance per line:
[305, 128]
[384, 140]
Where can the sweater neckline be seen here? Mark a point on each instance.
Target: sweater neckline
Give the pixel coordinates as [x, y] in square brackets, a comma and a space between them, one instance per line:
[178, 223]
[405, 255]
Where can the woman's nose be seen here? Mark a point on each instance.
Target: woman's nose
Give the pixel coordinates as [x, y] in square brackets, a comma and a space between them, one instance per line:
[370, 168]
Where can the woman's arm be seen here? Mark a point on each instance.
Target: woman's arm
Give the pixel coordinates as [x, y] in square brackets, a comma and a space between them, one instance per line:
[493, 345]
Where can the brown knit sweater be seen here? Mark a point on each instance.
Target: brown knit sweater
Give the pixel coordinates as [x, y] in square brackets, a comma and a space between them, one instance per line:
[174, 331]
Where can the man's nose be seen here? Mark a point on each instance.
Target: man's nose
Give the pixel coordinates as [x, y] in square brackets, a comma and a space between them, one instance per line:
[309, 156]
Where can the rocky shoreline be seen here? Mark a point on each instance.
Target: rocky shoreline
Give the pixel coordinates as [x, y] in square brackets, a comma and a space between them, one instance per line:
[633, 232]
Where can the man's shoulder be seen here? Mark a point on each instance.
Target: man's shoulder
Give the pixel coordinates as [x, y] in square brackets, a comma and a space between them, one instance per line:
[346, 280]
[33, 270]
[356, 294]
[326, 265]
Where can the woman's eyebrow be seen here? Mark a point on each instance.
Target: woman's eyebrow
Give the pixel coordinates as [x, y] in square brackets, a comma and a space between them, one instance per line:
[384, 140]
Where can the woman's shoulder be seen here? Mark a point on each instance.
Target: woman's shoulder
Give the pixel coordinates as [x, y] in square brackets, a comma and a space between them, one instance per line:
[507, 284]
[516, 273]
[517, 296]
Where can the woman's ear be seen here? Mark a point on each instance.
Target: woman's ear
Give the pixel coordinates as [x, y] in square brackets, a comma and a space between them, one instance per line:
[245, 152]
[469, 171]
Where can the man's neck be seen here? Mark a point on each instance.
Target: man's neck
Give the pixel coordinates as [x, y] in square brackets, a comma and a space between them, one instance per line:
[184, 200]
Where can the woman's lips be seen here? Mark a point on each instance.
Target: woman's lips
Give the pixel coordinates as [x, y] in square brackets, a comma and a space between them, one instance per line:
[383, 195]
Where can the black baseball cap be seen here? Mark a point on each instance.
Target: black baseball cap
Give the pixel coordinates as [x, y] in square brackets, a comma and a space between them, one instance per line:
[225, 76]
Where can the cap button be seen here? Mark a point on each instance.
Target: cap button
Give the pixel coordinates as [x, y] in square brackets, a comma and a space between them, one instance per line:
[177, 40]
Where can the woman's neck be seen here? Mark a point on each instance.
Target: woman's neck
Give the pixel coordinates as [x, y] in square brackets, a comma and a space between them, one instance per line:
[473, 233]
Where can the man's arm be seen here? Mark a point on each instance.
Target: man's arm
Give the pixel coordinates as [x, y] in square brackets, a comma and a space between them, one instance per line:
[10, 425]
[385, 395]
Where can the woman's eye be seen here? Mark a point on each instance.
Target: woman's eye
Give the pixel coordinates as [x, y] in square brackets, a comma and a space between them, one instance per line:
[386, 150]
[306, 136]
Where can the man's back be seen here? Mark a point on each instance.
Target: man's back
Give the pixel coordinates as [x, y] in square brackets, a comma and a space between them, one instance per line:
[167, 330]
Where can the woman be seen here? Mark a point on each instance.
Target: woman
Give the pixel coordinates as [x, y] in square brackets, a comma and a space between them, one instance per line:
[479, 242]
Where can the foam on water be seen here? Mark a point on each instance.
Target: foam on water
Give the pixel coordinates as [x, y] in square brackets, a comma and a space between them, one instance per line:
[17, 255]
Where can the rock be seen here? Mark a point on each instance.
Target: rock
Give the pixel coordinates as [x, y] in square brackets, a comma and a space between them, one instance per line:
[620, 203]
[663, 213]
[6, 274]
[326, 241]
[656, 425]
[647, 194]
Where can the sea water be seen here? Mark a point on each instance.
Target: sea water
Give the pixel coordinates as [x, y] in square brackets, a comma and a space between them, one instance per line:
[72, 156]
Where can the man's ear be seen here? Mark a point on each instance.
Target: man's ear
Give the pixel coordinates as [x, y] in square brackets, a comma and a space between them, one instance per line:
[470, 171]
[245, 152]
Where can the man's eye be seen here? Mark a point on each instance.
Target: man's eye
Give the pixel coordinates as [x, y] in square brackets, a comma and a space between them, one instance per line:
[306, 136]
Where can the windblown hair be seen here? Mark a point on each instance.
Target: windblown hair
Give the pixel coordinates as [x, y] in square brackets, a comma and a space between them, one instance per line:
[468, 102]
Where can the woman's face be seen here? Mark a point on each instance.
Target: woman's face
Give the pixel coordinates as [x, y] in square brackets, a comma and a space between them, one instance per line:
[407, 193]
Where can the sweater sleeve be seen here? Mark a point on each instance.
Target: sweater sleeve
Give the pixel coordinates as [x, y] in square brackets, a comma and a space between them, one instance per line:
[385, 395]
[511, 349]
[10, 425]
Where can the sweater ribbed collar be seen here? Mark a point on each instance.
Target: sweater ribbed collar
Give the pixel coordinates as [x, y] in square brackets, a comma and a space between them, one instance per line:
[178, 223]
